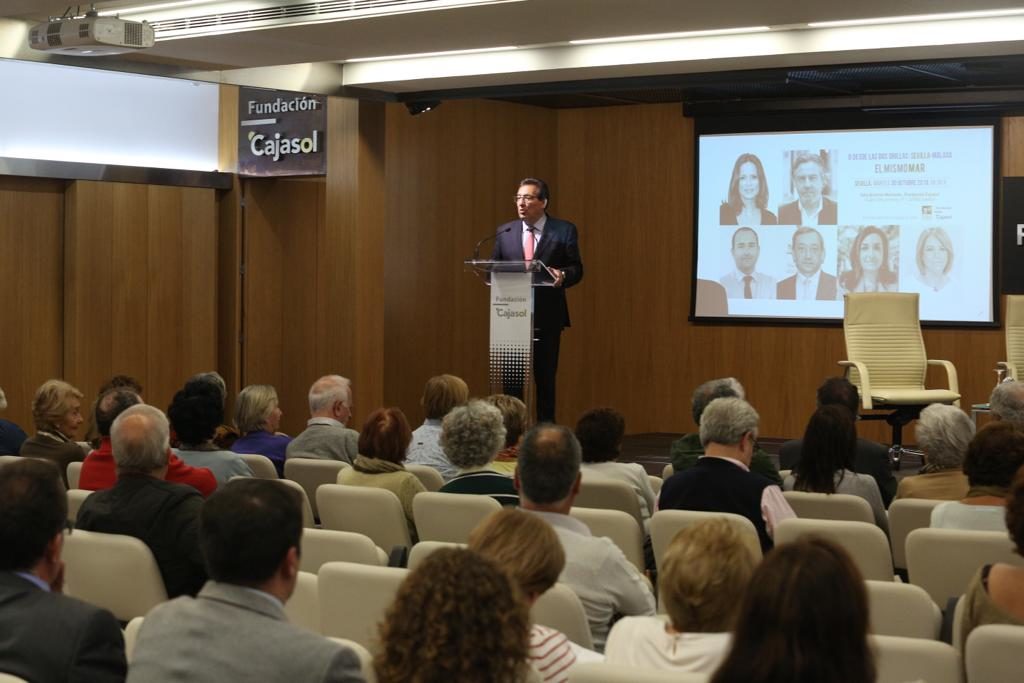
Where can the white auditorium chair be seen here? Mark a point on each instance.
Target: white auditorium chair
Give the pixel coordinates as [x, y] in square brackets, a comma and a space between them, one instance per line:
[1014, 325]
[943, 561]
[560, 609]
[75, 499]
[366, 510]
[131, 634]
[310, 473]
[262, 467]
[618, 526]
[665, 524]
[905, 515]
[867, 545]
[842, 506]
[902, 609]
[307, 509]
[424, 549]
[5, 459]
[428, 476]
[450, 517]
[600, 492]
[116, 572]
[603, 672]
[303, 607]
[993, 653]
[320, 546]
[74, 474]
[354, 598]
[900, 660]
[667, 471]
[656, 484]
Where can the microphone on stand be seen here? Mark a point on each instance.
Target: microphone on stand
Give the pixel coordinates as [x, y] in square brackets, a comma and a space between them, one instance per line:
[476, 249]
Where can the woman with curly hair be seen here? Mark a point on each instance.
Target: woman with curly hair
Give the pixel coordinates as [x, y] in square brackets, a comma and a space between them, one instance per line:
[457, 618]
[471, 436]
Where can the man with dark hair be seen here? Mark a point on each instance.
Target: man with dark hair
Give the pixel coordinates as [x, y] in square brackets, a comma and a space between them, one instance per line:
[811, 207]
[46, 636]
[810, 282]
[537, 236]
[236, 628]
[872, 458]
[548, 480]
[99, 471]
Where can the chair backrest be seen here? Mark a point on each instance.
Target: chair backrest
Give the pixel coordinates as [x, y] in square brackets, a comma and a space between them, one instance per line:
[560, 609]
[942, 561]
[992, 654]
[784, 473]
[365, 658]
[423, 549]
[116, 572]
[262, 467]
[131, 634]
[75, 499]
[865, 542]
[905, 515]
[366, 510]
[667, 471]
[914, 659]
[1015, 334]
[354, 598]
[958, 625]
[450, 517]
[303, 607]
[307, 509]
[310, 473]
[608, 494]
[843, 506]
[665, 524]
[428, 476]
[5, 459]
[620, 527]
[320, 546]
[902, 609]
[883, 332]
[10, 678]
[656, 484]
[74, 474]
[603, 672]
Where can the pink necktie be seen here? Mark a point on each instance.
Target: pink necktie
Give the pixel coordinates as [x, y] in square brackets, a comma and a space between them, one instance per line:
[528, 244]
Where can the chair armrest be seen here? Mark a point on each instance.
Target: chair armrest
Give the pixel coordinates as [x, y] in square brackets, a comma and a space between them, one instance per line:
[951, 379]
[865, 381]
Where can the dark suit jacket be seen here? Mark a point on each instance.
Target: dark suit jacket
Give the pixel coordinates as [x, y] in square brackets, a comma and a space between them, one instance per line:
[786, 289]
[49, 637]
[789, 214]
[558, 248]
[872, 459]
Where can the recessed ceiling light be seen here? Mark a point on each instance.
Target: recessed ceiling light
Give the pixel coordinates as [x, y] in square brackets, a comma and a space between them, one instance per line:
[421, 55]
[669, 36]
[948, 16]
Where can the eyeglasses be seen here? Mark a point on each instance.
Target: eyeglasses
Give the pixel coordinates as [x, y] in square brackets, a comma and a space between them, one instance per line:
[526, 198]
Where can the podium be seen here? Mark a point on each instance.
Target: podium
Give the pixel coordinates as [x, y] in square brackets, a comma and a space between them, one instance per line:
[511, 322]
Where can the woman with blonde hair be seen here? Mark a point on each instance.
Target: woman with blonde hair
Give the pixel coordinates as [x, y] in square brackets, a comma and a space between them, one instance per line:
[440, 395]
[257, 417]
[57, 411]
[704, 575]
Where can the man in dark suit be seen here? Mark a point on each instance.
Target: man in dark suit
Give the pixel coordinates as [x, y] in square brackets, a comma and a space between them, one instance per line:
[537, 236]
[812, 208]
[871, 458]
[45, 636]
[810, 281]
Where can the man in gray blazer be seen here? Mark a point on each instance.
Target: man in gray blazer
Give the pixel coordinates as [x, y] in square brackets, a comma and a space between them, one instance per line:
[236, 628]
[326, 436]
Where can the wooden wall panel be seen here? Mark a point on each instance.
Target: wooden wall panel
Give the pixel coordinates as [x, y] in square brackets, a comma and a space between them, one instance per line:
[31, 277]
[140, 285]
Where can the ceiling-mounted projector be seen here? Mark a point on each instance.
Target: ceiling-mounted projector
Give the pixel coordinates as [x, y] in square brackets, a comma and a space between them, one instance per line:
[91, 35]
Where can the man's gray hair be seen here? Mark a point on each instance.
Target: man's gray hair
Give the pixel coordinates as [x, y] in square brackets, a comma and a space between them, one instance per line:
[726, 420]
[548, 463]
[140, 448]
[944, 432]
[328, 389]
[471, 435]
[725, 387]
[1007, 403]
[214, 379]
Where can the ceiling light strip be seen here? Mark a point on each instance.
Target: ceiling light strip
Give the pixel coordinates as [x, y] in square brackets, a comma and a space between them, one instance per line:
[917, 18]
[670, 36]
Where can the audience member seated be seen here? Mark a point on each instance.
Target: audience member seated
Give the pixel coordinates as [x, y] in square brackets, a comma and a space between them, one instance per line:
[527, 548]
[457, 617]
[257, 417]
[195, 415]
[57, 411]
[721, 480]
[996, 593]
[99, 471]
[471, 436]
[236, 628]
[685, 451]
[994, 456]
[704, 575]
[826, 461]
[600, 433]
[46, 637]
[871, 458]
[11, 435]
[92, 434]
[382, 446]
[441, 394]
[225, 435]
[165, 516]
[943, 433]
[1007, 403]
[326, 436]
[548, 479]
[513, 414]
[804, 620]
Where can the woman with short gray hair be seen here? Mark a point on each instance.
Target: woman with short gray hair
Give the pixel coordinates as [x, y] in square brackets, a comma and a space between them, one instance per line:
[257, 417]
[943, 433]
[471, 436]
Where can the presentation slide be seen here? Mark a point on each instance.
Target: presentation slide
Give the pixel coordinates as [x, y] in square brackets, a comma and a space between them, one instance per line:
[789, 222]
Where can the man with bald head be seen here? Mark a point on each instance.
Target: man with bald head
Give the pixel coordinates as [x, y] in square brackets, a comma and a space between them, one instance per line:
[165, 516]
[745, 282]
[326, 437]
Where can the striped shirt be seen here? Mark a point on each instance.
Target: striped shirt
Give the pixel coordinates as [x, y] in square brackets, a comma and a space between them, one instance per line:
[551, 656]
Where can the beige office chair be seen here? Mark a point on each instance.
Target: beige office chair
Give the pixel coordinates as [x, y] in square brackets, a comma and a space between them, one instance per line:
[899, 660]
[1014, 337]
[943, 561]
[665, 524]
[618, 526]
[560, 609]
[886, 359]
[428, 476]
[310, 473]
[303, 607]
[902, 609]
[262, 467]
[597, 491]
[75, 499]
[354, 598]
[667, 471]
[840, 506]
[307, 509]
[450, 517]
[865, 542]
[425, 549]
[993, 652]
[656, 484]
[366, 510]
[116, 572]
[10, 678]
[905, 515]
[131, 634]
[74, 474]
[320, 546]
